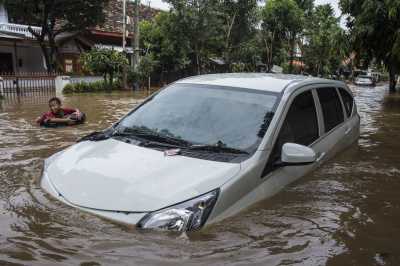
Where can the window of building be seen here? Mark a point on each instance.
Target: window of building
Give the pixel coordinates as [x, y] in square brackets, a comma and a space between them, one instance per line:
[69, 65]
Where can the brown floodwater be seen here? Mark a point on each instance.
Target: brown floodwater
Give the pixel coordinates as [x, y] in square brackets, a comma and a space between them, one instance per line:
[345, 213]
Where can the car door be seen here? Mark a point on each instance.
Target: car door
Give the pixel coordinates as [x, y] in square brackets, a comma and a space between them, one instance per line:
[301, 125]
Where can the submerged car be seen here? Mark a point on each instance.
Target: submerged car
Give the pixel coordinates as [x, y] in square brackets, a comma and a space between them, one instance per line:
[205, 148]
[364, 80]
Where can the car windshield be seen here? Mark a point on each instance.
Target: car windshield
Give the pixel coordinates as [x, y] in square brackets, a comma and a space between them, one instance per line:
[206, 115]
[365, 77]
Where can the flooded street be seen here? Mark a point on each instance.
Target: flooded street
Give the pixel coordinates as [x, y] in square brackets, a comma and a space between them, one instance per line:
[345, 213]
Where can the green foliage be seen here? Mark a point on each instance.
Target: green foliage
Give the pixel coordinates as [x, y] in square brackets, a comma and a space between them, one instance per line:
[159, 39]
[238, 20]
[281, 22]
[374, 27]
[146, 67]
[105, 62]
[326, 42]
[184, 39]
[84, 87]
[55, 17]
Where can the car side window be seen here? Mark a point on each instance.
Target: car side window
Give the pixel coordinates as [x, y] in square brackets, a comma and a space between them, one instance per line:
[331, 107]
[348, 101]
[300, 126]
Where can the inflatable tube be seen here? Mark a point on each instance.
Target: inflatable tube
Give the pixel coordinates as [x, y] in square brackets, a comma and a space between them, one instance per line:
[77, 121]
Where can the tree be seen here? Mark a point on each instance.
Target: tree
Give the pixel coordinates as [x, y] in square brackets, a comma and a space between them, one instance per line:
[195, 28]
[324, 48]
[374, 27]
[239, 20]
[55, 17]
[159, 38]
[281, 20]
[105, 62]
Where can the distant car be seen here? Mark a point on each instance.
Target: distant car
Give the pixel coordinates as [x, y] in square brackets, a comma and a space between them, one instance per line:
[205, 148]
[364, 81]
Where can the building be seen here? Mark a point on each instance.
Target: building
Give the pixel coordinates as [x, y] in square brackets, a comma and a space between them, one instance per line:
[18, 49]
[20, 52]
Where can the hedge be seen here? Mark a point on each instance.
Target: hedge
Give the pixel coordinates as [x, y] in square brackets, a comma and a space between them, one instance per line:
[98, 86]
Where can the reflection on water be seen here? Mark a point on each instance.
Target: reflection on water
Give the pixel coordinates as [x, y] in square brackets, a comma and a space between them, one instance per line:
[345, 213]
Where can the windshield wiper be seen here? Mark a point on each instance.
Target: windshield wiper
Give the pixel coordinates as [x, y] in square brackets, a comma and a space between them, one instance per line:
[96, 136]
[148, 134]
[219, 147]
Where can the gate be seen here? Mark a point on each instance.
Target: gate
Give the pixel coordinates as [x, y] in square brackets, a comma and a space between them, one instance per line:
[27, 83]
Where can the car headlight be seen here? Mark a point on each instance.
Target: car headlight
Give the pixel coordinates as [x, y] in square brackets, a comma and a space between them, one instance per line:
[187, 216]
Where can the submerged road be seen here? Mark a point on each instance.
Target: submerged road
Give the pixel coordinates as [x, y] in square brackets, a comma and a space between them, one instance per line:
[345, 213]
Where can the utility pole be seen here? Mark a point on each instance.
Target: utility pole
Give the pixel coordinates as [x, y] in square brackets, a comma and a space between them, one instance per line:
[124, 70]
[136, 37]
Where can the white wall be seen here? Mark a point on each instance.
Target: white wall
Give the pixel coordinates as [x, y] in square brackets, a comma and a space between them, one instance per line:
[3, 14]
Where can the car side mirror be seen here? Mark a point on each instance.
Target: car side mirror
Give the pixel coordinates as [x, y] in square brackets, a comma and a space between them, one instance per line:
[295, 154]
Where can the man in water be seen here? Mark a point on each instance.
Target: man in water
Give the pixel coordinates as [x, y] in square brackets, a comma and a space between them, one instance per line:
[59, 115]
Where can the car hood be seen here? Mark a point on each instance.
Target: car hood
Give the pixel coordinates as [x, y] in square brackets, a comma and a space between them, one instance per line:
[116, 176]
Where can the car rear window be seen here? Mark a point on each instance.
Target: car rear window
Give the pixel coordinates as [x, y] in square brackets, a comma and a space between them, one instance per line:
[331, 107]
[347, 101]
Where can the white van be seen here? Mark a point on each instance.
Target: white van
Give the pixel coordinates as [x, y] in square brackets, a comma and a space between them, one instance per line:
[204, 148]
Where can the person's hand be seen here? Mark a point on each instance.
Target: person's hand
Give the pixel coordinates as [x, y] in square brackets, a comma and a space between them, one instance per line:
[38, 119]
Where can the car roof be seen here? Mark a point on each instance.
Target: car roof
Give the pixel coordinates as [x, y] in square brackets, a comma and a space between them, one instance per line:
[257, 81]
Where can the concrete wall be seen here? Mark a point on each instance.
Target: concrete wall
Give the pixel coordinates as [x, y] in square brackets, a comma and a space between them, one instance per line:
[32, 59]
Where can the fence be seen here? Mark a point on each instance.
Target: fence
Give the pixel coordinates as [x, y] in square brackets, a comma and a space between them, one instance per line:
[26, 83]
[20, 29]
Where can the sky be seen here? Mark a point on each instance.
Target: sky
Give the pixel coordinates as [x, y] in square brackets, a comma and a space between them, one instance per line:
[161, 5]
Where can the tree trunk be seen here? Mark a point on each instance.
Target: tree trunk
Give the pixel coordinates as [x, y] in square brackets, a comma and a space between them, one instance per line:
[53, 56]
[47, 59]
[227, 40]
[270, 51]
[392, 80]
[198, 63]
[111, 79]
[291, 53]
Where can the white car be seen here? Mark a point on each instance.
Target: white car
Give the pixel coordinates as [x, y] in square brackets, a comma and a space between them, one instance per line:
[205, 148]
[364, 81]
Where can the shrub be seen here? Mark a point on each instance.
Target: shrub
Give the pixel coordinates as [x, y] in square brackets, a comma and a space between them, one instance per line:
[98, 86]
[105, 62]
[69, 88]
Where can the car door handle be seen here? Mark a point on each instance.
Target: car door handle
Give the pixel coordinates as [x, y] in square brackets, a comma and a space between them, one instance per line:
[320, 157]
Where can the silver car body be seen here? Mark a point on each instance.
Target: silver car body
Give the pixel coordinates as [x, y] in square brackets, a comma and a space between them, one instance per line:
[134, 181]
